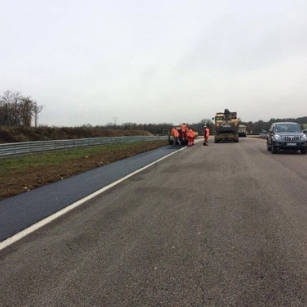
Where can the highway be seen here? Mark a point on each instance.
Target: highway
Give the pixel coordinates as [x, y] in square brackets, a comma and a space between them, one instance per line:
[223, 225]
[20, 212]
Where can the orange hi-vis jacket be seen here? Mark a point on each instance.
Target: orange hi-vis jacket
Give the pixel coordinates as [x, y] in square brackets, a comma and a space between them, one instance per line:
[207, 132]
[191, 133]
[175, 133]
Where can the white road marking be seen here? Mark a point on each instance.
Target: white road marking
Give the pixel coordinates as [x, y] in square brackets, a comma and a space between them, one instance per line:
[76, 204]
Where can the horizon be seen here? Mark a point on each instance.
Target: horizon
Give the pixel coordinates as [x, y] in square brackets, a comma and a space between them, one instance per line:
[155, 61]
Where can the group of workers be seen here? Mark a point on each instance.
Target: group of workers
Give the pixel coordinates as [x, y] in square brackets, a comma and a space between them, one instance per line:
[188, 135]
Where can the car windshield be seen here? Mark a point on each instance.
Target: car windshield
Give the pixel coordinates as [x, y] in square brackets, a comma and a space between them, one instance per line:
[287, 128]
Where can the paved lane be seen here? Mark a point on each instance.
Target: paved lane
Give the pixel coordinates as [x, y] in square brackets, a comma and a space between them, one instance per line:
[223, 225]
[22, 211]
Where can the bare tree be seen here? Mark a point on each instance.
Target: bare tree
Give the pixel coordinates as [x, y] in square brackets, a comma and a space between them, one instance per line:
[18, 110]
[10, 102]
[4, 108]
[26, 111]
[2, 112]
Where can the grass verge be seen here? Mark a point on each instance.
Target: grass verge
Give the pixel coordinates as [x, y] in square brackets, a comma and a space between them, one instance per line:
[24, 173]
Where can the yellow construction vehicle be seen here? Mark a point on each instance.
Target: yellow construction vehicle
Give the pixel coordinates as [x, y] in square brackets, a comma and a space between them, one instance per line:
[226, 126]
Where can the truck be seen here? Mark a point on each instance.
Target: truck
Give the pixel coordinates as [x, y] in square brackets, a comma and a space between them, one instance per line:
[242, 131]
[226, 126]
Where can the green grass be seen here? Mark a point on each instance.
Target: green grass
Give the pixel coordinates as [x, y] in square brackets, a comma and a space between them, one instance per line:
[9, 166]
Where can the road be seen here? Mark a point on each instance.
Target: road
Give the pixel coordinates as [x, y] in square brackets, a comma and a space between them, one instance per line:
[22, 211]
[223, 225]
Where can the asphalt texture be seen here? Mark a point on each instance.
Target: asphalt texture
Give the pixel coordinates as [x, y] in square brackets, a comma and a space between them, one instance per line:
[223, 225]
[21, 211]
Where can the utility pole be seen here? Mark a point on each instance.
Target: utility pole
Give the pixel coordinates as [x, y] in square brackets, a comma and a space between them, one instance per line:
[115, 119]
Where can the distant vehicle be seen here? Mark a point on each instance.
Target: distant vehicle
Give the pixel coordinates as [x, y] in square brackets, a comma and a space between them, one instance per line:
[263, 134]
[242, 130]
[226, 126]
[286, 136]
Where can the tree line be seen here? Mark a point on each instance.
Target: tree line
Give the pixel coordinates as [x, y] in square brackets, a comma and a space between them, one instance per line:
[263, 126]
[18, 110]
[162, 128]
[252, 127]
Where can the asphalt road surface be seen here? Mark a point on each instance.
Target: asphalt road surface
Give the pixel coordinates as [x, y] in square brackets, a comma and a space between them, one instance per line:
[223, 225]
[20, 212]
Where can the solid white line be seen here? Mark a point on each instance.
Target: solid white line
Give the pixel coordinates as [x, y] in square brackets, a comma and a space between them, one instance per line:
[76, 204]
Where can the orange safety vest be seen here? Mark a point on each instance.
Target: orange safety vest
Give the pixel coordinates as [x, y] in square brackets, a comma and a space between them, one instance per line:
[175, 133]
[207, 132]
[183, 127]
[191, 133]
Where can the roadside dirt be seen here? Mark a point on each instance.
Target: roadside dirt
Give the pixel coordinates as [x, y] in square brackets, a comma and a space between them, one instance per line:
[23, 181]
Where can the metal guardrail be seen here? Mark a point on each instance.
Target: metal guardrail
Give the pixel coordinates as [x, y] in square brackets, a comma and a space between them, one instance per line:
[13, 149]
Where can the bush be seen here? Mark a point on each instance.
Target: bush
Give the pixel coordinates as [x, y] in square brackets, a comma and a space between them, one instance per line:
[45, 133]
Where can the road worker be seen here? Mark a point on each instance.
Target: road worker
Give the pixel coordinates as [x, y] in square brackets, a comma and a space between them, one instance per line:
[206, 135]
[184, 131]
[191, 136]
[175, 135]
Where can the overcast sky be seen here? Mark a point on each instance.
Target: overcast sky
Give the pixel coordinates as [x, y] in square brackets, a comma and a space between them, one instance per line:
[155, 61]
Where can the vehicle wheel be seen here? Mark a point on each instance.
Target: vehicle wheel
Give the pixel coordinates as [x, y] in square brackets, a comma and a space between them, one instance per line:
[268, 146]
[273, 149]
[303, 151]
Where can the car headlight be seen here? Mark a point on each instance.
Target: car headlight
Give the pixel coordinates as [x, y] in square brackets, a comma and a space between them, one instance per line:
[304, 137]
[277, 137]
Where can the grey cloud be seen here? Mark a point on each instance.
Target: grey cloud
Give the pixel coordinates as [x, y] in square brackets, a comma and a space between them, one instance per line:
[234, 45]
